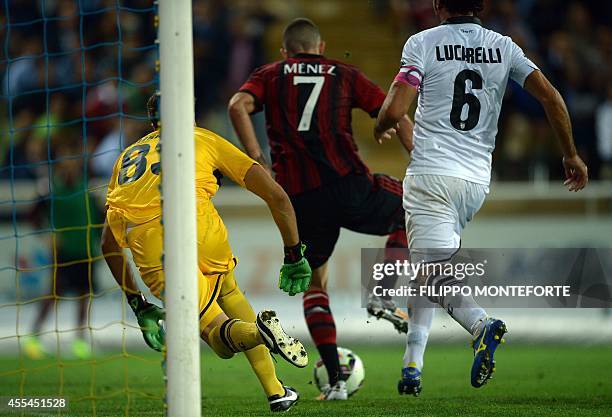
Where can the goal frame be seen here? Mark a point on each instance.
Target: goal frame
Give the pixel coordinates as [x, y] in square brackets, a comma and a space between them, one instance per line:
[175, 35]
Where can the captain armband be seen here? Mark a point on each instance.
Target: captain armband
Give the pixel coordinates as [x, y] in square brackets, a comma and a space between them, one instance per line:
[410, 75]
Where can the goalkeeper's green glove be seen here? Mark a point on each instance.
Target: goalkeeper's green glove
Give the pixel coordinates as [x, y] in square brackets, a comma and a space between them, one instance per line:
[149, 317]
[295, 274]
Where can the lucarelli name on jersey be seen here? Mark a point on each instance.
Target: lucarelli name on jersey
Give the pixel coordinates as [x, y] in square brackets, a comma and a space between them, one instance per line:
[304, 68]
[478, 55]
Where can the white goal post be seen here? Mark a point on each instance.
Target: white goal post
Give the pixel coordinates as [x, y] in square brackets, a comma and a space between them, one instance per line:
[179, 208]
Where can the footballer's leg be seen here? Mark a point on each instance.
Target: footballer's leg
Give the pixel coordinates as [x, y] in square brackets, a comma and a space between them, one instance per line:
[322, 328]
[420, 317]
[375, 207]
[235, 335]
[385, 307]
[229, 336]
[438, 208]
[380, 212]
[280, 398]
[318, 224]
[224, 335]
[236, 306]
[426, 227]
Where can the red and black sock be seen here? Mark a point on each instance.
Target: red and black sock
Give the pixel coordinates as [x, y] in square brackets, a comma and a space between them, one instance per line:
[397, 239]
[323, 330]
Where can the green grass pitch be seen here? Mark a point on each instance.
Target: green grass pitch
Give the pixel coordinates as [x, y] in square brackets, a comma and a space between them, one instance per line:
[531, 380]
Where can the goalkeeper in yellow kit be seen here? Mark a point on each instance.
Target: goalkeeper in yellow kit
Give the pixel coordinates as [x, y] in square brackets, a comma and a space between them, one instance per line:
[227, 321]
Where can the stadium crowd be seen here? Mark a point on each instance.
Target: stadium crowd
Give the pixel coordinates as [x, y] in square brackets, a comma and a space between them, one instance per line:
[81, 70]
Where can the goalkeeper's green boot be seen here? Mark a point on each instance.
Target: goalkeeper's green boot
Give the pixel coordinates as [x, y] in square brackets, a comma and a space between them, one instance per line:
[33, 348]
[81, 349]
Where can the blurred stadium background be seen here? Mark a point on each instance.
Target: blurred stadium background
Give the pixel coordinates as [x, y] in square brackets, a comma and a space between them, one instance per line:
[75, 77]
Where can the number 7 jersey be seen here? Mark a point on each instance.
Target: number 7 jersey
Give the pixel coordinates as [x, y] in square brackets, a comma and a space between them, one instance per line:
[308, 100]
[461, 70]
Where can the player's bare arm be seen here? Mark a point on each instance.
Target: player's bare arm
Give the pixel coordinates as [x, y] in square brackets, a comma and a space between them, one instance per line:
[117, 262]
[240, 108]
[576, 172]
[404, 133]
[394, 111]
[295, 274]
[261, 184]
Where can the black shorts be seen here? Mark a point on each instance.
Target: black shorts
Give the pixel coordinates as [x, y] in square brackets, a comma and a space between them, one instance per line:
[73, 277]
[370, 204]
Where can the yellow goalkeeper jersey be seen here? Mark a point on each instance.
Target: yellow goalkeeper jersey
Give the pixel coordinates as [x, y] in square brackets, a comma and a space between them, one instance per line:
[133, 196]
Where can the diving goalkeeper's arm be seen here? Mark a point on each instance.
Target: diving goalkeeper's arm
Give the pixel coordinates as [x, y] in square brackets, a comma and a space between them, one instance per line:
[295, 274]
[148, 315]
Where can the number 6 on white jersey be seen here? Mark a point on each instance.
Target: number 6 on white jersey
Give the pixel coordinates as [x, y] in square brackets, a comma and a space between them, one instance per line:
[312, 100]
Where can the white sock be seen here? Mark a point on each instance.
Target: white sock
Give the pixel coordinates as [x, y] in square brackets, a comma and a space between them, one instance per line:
[421, 315]
[471, 319]
[463, 309]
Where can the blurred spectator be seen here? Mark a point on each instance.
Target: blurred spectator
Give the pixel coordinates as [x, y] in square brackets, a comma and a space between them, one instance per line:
[248, 24]
[412, 16]
[604, 135]
[211, 43]
[504, 16]
[49, 122]
[108, 150]
[22, 73]
[102, 105]
[74, 218]
[124, 133]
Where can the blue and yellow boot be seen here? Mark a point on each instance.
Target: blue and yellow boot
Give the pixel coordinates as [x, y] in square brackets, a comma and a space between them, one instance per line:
[410, 384]
[484, 346]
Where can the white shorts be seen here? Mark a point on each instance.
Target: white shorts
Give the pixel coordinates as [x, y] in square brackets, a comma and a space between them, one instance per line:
[437, 210]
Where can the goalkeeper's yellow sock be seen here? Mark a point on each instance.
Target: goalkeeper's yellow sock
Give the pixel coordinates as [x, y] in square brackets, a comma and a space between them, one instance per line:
[234, 336]
[235, 305]
[261, 362]
[215, 342]
[233, 302]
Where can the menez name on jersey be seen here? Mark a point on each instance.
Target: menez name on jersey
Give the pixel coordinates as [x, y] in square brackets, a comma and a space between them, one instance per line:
[478, 55]
[304, 68]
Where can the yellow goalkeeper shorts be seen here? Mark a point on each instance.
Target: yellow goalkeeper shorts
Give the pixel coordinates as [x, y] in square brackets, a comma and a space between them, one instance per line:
[215, 262]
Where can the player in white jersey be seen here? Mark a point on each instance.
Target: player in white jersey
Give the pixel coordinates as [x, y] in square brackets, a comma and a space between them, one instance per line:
[459, 71]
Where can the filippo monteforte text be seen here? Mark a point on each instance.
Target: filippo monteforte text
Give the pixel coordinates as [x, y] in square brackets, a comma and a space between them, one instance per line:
[478, 55]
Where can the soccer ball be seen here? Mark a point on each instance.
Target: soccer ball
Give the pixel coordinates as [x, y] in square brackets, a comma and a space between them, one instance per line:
[350, 366]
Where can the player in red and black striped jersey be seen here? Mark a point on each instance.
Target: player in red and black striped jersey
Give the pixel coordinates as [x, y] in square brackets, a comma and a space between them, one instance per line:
[308, 100]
